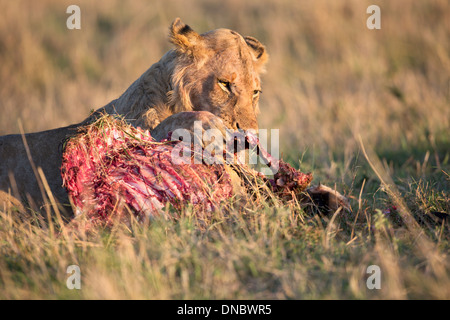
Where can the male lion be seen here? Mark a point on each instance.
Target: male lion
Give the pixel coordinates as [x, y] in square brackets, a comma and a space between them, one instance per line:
[213, 77]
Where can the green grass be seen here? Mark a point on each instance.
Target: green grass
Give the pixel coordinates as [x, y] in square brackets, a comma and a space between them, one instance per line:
[256, 251]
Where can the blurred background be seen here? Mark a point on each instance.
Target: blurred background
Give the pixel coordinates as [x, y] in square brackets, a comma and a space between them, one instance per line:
[329, 78]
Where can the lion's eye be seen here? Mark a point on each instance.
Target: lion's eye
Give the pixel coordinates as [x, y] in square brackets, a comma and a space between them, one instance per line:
[224, 85]
[256, 93]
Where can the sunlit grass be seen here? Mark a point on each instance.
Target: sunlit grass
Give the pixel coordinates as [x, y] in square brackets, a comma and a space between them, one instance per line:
[258, 251]
[330, 82]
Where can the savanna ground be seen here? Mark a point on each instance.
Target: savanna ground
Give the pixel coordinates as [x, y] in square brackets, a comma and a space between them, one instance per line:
[367, 111]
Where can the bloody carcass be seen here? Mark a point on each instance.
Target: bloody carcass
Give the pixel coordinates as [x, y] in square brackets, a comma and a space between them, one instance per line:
[110, 165]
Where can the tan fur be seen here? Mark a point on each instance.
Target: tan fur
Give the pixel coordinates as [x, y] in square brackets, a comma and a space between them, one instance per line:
[189, 79]
[328, 200]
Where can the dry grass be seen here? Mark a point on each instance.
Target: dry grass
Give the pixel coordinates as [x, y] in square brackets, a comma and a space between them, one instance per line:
[330, 80]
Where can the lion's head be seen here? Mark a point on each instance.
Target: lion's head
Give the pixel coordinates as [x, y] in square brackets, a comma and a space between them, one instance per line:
[218, 71]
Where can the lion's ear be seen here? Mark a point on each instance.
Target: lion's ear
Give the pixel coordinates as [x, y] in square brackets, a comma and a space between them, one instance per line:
[259, 53]
[183, 37]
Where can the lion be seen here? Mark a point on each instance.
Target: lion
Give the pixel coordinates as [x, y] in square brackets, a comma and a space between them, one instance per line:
[212, 77]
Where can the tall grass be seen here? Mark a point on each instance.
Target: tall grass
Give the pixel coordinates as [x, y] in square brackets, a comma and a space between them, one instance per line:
[367, 110]
[257, 251]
